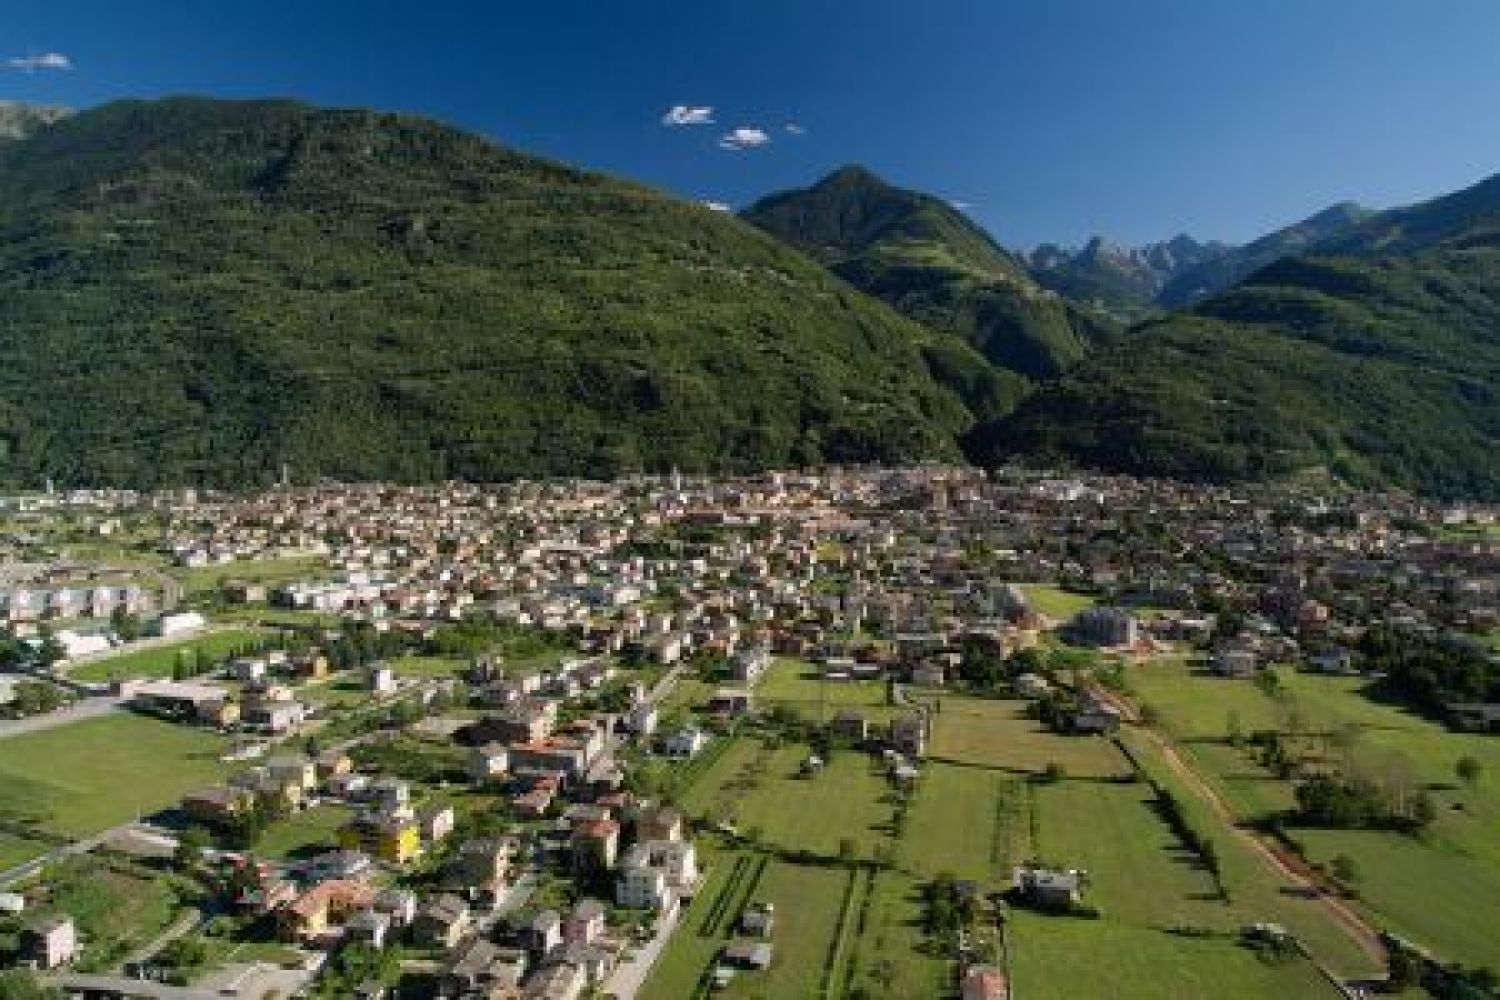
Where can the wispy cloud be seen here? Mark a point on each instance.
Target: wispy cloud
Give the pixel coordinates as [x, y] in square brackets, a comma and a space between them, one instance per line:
[744, 138]
[792, 128]
[39, 61]
[682, 114]
[960, 204]
[718, 206]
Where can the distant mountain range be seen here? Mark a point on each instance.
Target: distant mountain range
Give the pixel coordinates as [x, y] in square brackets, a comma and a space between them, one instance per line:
[19, 119]
[1374, 355]
[196, 291]
[1123, 280]
[1134, 282]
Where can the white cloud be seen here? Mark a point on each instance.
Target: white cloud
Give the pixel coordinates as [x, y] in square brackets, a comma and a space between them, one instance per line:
[962, 206]
[718, 206]
[682, 114]
[43, 60]
[792, 128]
[744, 138]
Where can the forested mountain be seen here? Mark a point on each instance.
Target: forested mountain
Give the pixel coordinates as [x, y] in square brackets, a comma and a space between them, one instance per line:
[1226, 270]
[1377, 357]
[1122, 280]
[927, 259]
[197, 291]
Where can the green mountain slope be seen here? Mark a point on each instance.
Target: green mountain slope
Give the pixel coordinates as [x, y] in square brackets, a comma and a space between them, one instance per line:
[1237, 263]
[1381, 364]
[929, 261]
[195, 290]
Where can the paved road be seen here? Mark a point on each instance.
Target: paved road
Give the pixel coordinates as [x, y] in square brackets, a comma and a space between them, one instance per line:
[122, 986]
[89, 708]
[630, 976]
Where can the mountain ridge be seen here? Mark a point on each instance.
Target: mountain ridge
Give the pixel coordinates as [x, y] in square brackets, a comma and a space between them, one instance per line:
[933, 264]
[195, 290]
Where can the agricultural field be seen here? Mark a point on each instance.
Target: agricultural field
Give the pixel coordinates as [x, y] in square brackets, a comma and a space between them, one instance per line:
[1460, 849]
[158, 660]
[997, 735]
[758, 787]
[82, 778]
[1145, 882]
[798, 685]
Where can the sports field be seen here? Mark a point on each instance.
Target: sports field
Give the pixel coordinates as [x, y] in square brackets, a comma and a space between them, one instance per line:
[87, 777]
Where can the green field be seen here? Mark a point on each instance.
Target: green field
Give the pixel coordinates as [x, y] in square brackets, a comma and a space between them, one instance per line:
[997, 735]
[16, 850]
[798, 685]
[428, 666]
[1144, 882]
[304, 835]
[208, 579]
[89, 776]
[1054, 602]
[158, 661]
[757, 787]
[1459, 851]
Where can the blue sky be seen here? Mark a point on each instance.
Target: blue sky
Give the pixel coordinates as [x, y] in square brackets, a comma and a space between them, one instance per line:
[1052, 119]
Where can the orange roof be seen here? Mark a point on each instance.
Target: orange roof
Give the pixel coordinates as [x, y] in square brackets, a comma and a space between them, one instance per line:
[345, 893]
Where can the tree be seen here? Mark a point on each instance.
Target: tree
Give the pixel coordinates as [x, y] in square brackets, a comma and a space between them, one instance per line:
[35, 698]
[124, 624]
[846, 849]
[190, 847]
[1469, 769]
[50, 651]
[1235, 728]
[1345, 869]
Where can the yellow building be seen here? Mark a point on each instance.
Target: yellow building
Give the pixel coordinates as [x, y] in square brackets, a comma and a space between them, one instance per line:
[393, 839]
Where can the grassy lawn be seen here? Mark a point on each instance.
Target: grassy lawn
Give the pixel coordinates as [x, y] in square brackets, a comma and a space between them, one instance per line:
[997, 734]
[427, 666]
[304, 835]
[1054, 602]
[117, 908]
[757, 787]
[206, 579]
[16, 850]
[158, 661]
[86, 777]
[1435, 896]
[798, 685]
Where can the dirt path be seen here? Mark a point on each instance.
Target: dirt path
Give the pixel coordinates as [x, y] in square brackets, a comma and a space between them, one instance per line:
[1294, 869]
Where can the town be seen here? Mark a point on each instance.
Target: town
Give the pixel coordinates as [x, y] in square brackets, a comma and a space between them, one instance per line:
[851, 733]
